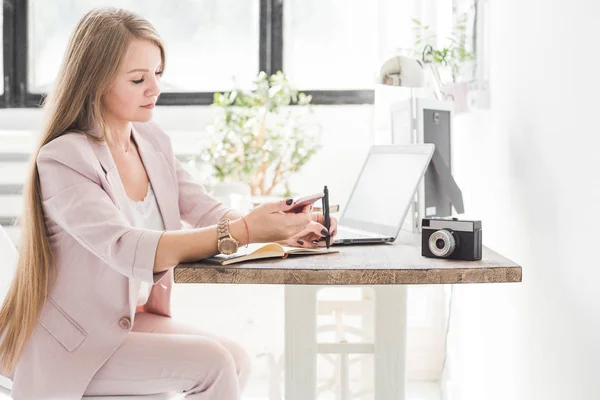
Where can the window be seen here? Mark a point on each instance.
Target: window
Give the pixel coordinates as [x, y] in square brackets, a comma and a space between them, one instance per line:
[207, 42]
[330, 49]
[2, 55]
[6, 22]
[331, 45]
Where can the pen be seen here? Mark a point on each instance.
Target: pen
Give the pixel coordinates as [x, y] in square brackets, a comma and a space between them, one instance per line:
[326, 213]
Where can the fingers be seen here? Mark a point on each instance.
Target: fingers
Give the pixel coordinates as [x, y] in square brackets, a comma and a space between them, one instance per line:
[305, 242]
[322, 241]
[304, 210]
[332, 232]
[314, 229]
[314, 241]
[288, 224]
[302, 218]
[299, 210]
[312, 235]
[298, 243]
[333, 226]
[318, 229]
[318, 217]
[275, 206]
[313, 238]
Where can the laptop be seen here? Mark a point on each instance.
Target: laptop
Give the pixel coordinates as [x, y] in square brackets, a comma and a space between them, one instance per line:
[383, 193]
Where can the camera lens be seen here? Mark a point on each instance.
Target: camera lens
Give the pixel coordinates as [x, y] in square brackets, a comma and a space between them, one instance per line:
[442, 243]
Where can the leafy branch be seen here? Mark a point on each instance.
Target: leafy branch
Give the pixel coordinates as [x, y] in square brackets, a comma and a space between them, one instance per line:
[256, 138]
[454, 55]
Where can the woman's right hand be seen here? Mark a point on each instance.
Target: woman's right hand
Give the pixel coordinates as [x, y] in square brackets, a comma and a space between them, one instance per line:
[269, 222]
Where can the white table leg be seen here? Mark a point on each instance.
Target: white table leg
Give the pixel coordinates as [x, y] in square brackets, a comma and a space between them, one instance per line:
[390, 342]
[301, 342]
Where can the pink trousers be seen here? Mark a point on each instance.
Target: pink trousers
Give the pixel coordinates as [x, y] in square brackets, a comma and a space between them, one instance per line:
[162, 355]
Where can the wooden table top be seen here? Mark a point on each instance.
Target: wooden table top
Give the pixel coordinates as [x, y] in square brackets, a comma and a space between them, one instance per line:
[396, 263]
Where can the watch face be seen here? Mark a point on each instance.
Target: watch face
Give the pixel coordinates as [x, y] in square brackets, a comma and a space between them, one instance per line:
[228, 246]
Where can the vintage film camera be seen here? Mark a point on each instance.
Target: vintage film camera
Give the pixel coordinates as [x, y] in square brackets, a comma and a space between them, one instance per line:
[451, 238]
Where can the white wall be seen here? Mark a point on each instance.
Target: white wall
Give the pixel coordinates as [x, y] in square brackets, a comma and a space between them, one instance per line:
[529, 169]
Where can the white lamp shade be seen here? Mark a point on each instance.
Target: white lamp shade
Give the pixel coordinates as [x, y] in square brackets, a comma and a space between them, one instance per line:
[402, 71]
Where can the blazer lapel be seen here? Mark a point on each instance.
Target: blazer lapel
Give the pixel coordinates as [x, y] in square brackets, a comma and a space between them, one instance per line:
[162, 180]
[116, 190]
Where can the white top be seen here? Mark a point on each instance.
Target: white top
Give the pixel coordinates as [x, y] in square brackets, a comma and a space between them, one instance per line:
[146, 215]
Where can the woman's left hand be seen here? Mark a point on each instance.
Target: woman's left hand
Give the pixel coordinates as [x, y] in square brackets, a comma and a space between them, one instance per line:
[310, 236]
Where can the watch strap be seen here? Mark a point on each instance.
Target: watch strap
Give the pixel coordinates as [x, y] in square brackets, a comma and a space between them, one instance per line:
[223, 229]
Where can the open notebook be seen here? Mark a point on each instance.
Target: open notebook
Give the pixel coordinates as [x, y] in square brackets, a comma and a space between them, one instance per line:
[264, 250]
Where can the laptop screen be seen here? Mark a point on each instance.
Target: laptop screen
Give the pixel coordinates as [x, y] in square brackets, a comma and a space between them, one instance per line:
[385, 188]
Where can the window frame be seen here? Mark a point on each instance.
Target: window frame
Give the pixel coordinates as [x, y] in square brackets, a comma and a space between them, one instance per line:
[271, 48]
[8, 52]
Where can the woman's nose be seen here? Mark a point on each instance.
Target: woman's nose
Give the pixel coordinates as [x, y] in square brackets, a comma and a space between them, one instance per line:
[154, 88]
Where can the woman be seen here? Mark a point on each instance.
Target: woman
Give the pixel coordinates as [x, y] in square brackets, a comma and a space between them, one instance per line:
[88, 312]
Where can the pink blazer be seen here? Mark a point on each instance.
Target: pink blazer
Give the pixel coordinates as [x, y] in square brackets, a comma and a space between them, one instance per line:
[91, 309]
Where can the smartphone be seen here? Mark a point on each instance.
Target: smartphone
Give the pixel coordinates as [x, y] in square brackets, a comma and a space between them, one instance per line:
[303, 201]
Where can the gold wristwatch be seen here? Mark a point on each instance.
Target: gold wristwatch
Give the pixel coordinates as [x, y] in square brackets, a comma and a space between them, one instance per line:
[226, 244]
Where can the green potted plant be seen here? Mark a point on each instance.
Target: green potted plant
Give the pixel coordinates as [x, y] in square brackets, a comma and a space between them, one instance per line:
[454, 56]
[257, 139]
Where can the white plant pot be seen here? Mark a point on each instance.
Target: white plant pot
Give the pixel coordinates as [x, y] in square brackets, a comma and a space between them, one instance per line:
[459, 94]
[235, 195]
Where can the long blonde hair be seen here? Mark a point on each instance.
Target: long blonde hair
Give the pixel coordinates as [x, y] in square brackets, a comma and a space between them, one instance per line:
[94, 54]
